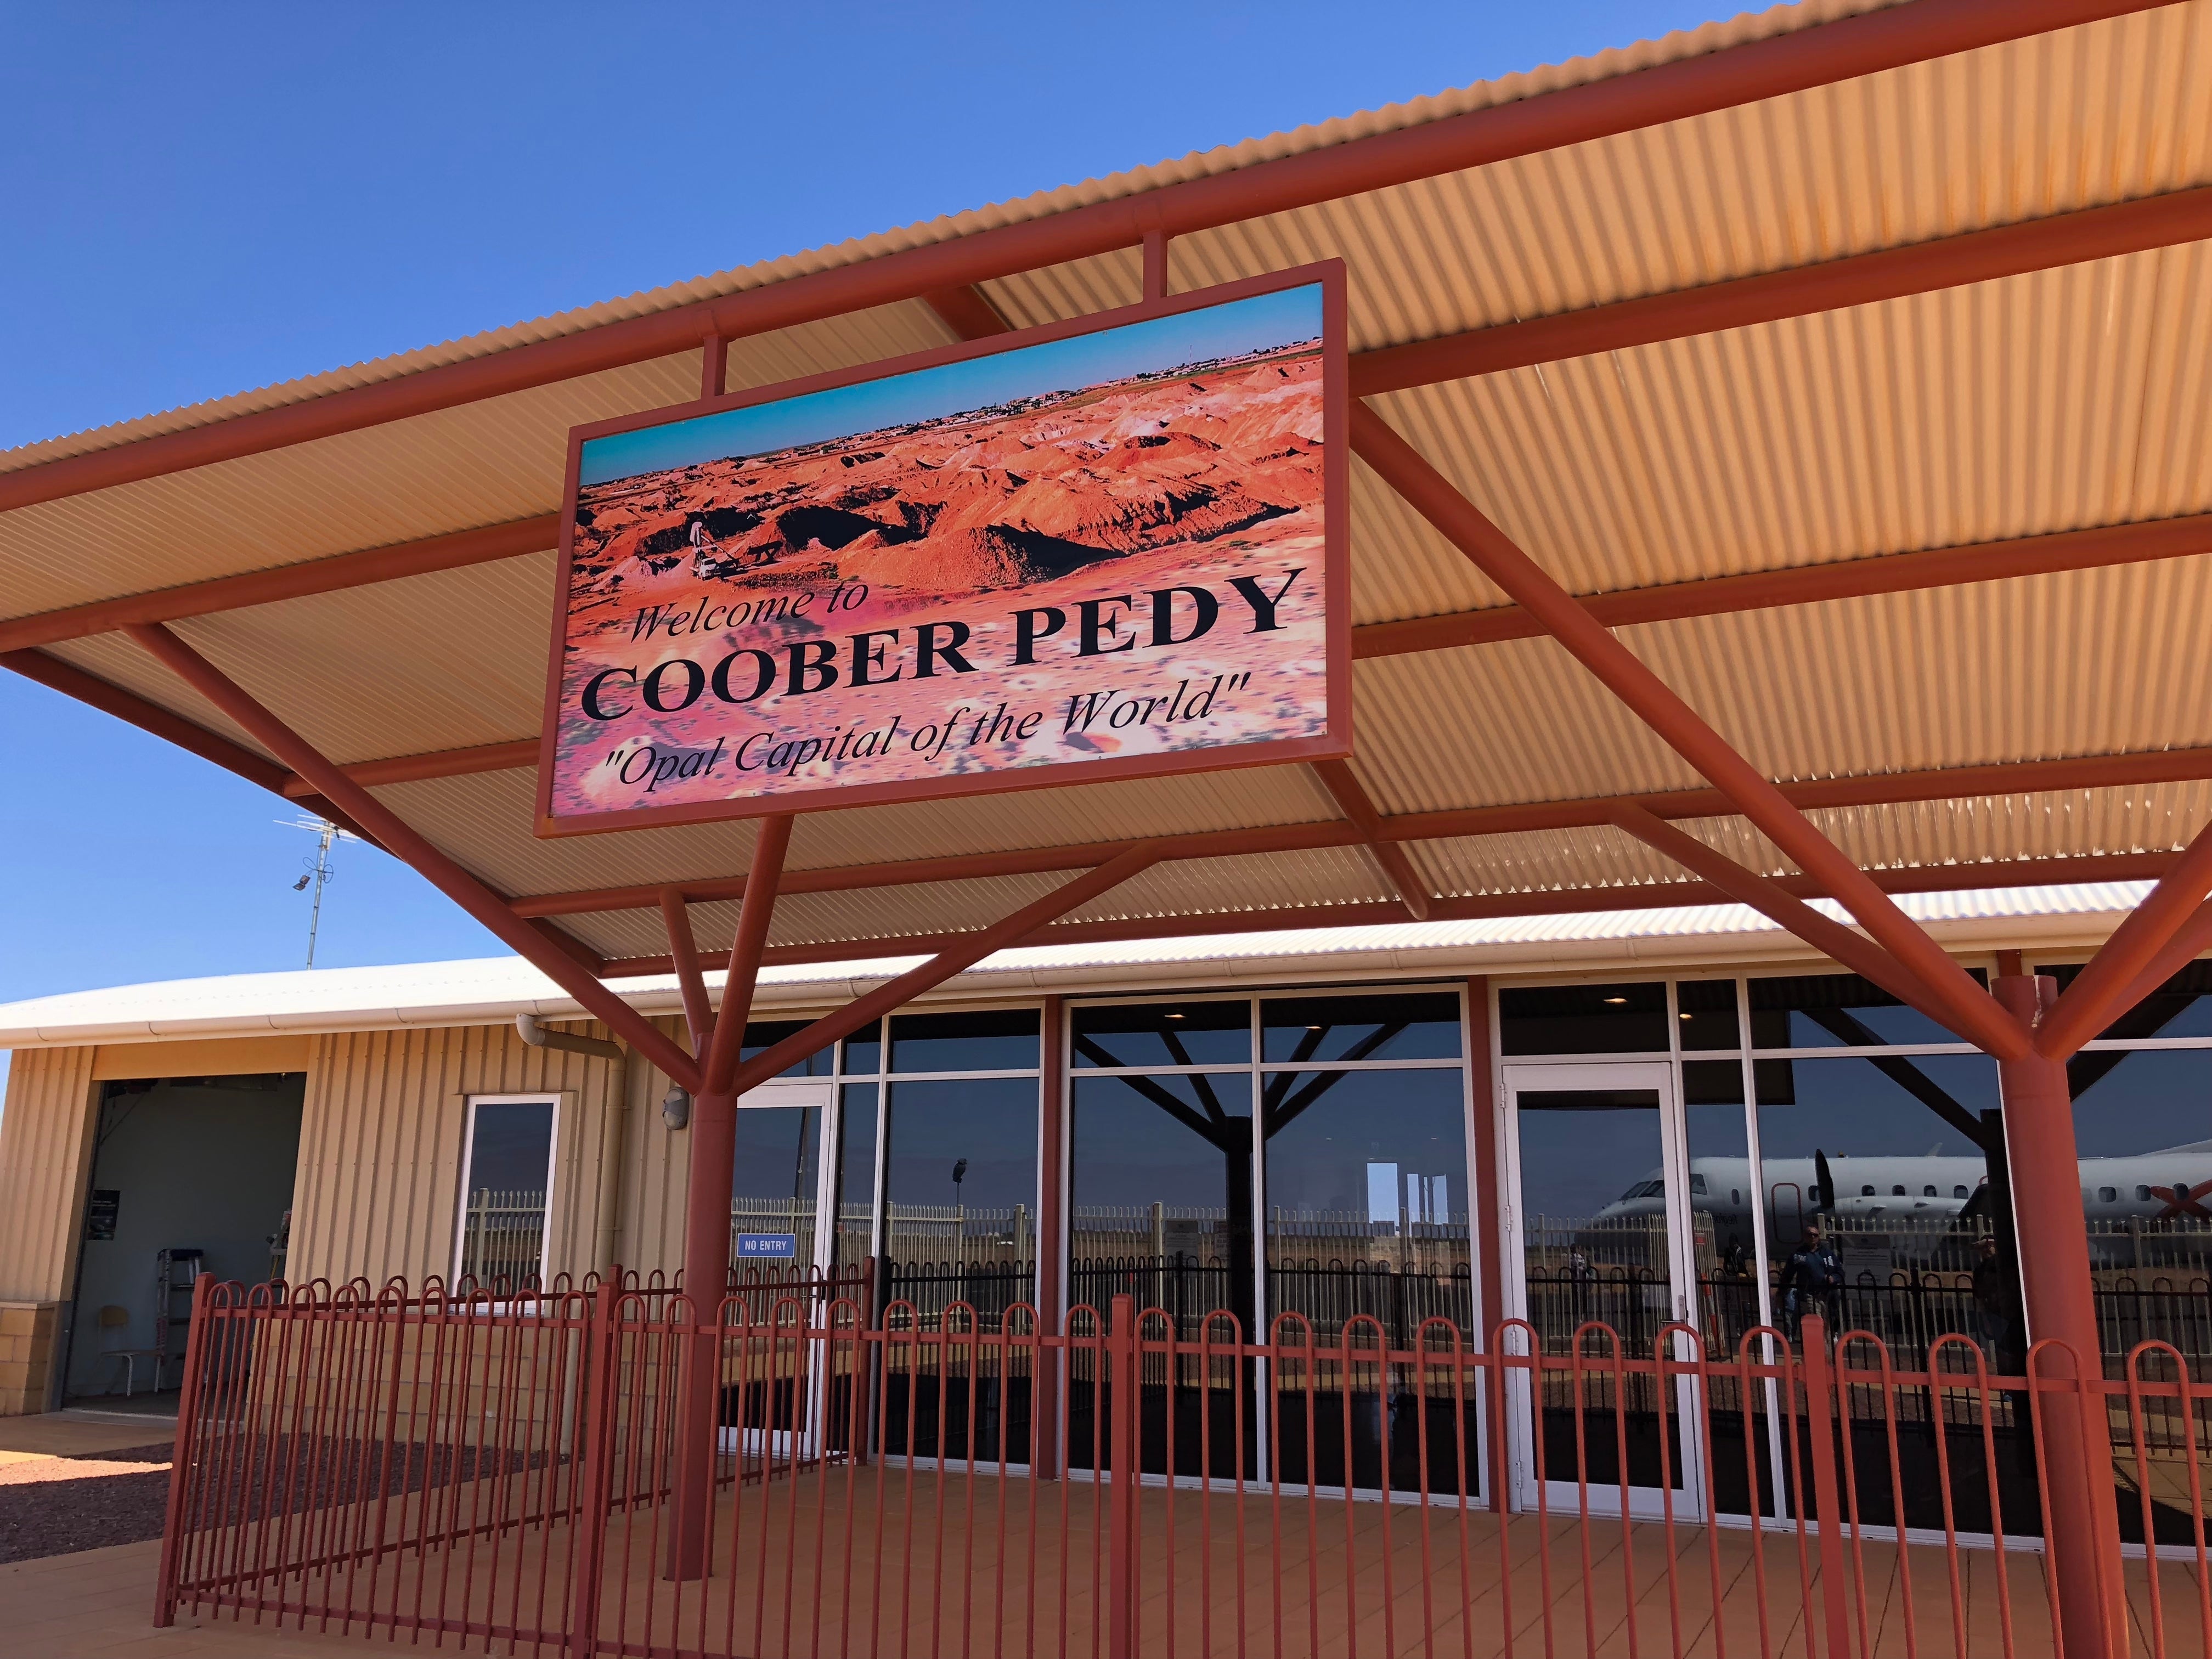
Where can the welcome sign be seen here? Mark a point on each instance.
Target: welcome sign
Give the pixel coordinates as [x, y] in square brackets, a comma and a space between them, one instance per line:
[1112, 548]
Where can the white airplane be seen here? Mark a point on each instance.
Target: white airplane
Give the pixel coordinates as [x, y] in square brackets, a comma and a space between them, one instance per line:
[2173, 1184]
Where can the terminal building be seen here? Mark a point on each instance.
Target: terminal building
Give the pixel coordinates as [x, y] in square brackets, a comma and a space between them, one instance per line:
[1765, 467]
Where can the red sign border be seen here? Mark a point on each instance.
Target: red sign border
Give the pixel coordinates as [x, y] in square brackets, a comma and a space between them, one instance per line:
[1333, 744]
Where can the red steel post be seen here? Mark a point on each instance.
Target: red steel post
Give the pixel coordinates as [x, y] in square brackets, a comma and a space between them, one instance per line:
[707, 1210]
[596, 1447]
[1051, 1259]
[1122, 1478]
[2060, 1296]
[180, 1458]
[1827, 1496]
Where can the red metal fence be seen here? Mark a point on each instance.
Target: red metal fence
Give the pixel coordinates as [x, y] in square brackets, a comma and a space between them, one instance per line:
[501, 1471]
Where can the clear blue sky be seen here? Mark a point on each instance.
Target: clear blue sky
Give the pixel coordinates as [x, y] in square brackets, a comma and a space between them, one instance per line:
[205, 198]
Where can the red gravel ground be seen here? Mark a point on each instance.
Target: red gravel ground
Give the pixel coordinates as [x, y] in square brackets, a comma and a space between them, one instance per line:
[58, 1505]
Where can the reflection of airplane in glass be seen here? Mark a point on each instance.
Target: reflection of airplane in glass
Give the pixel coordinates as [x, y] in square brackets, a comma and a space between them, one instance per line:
[2174, 1184]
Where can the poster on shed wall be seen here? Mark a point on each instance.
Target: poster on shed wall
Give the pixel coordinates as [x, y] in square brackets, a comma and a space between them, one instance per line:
[1106, 549]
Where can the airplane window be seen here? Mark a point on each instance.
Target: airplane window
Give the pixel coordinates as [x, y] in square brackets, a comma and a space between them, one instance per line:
[1959, 1191]
[1897, 1192]
[1866, 1192]
[1735, 1195]
[1697, 1183]
[2106, 1194]
[1928, 1192]
[2142, 1193]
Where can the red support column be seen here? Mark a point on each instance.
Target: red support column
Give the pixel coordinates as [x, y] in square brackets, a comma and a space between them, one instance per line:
[1486, 1217]
[2060, 1304]
[1051, 1260]
[707, 1210]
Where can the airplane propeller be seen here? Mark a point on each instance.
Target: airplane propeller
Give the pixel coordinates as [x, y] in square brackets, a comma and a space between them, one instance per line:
[1827, 1181]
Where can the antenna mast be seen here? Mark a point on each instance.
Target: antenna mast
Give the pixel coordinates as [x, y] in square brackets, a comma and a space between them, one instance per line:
[319, 870]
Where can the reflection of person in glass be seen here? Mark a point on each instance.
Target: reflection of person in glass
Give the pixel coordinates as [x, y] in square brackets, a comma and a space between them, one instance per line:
[1990, 1302]
[1810, 1280]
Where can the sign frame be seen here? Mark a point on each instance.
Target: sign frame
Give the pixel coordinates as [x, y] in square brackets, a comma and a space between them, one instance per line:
[1333, 743]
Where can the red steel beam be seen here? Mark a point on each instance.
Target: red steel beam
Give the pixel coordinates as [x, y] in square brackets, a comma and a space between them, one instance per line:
[150, 717]
[1972, 1014]
[1352, 799]
[1844, 578]
[1979, 256]
[439, 763]
[2094, 1000]
[1779, 906]
[1552, 901]
[967, 311]
[684, 960]
[1878, 789]
[287, 582]
[1895, 572]
[959, 953]
[2094, 233]
[1824, 55]
[771, 841]
[519, 933]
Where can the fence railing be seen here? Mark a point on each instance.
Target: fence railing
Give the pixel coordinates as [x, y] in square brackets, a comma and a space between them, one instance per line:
[504, 1473]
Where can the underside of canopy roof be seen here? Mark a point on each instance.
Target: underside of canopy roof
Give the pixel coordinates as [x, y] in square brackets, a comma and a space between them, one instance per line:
[2005, 398]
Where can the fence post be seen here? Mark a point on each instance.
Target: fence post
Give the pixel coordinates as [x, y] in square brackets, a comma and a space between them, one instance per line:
[180, 1463]
[595, 1446]
[1827, 1497]
[1121, 1464]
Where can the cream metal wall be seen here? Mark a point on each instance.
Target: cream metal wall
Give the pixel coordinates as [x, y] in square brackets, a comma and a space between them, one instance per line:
[46, 1143]
[380, 1148]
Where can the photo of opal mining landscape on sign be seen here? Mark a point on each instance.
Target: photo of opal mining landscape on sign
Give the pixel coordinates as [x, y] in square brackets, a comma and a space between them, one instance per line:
[1105, 546]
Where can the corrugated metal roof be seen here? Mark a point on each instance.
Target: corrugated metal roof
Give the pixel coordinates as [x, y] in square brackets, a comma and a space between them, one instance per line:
[2034, 403]
[496, 989]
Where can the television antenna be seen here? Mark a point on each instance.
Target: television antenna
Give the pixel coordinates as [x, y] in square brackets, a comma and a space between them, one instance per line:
[319, 870]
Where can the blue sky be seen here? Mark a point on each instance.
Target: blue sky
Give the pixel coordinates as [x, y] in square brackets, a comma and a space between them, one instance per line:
[1092, 359]
[208, 197]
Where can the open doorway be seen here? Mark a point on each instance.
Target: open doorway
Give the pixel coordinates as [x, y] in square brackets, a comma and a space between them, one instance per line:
[190, 1174]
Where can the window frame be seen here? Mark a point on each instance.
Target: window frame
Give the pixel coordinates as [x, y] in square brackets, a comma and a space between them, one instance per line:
[526, 1097]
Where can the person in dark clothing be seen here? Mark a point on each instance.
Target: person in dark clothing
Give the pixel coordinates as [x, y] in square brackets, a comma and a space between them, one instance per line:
[1810, 1280]
[1993, 1300]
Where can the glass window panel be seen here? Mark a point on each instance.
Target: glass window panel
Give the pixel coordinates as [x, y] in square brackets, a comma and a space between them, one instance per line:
[1367, 1199]
[1367, 1218]
[1160, 1195]
[980, 1039]
[1705, 1010]
[864, 1050]
[1835, 1011]
[1723, 1200]
[503, 1211]
[1836, 1138]
[1163, 1034]
[856, 1174]
[761, 1034]
[1713, 1082]
[1583, 1019]
[1302, 1029]
[2182, 1007]
[2142, 1128]
[960, 1184]
[773, 1191]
